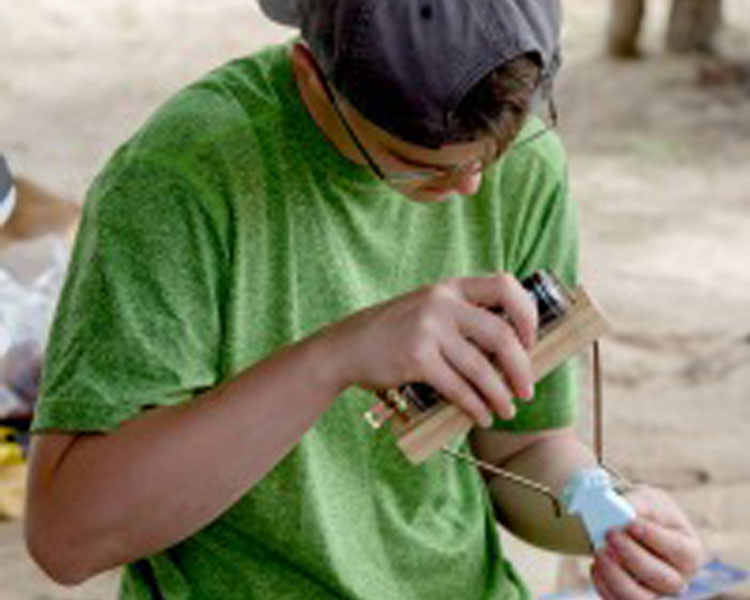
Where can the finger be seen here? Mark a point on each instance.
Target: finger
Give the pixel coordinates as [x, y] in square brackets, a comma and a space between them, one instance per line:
[599, 584]
[674, 546]
[655, 505]
[618, 581]
[455, 388]
[479, 372]
[498, 339]
[651, 571]
[505, 292]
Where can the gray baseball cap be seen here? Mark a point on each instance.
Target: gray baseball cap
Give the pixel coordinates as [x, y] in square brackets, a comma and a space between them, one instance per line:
[406, 65]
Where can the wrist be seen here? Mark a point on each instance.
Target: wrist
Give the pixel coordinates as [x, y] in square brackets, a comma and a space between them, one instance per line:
[327, 364]
[592, 494]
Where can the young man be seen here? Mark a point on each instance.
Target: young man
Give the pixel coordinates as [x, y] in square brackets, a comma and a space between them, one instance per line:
[291, 232]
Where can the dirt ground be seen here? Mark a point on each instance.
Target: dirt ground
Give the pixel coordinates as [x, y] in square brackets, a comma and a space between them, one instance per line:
[659, 164]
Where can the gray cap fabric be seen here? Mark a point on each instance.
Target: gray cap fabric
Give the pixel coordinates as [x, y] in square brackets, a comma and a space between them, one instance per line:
[407, 64]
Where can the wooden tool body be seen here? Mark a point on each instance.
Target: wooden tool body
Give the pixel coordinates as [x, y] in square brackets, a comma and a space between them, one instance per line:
[421, 432]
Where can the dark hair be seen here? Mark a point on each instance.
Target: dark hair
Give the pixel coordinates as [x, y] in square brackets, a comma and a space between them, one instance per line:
[498, 104]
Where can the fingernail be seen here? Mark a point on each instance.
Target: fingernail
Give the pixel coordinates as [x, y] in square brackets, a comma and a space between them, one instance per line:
[636, 529]
[525, 394]
[611, 553]
[616, 539]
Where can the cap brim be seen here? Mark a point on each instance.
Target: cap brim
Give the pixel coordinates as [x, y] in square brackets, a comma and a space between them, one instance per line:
[285, 12]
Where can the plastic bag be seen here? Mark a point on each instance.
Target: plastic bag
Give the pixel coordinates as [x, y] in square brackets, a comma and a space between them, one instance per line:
[31, 276]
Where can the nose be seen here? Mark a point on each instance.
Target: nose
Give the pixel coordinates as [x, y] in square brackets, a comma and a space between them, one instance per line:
[467, 184]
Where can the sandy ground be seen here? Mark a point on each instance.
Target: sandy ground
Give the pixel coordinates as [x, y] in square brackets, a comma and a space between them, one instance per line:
[659, 166]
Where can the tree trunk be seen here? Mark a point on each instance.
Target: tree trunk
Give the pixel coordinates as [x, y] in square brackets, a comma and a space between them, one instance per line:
[625, 20]
[693, 25]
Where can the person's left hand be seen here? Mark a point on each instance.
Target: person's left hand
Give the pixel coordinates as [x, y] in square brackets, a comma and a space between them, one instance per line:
[654, 556]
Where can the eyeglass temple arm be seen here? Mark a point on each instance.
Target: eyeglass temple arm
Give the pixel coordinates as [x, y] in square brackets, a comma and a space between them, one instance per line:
[598, 404]
[347, 126]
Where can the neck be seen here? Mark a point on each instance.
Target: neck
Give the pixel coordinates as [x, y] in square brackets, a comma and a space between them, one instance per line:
[318, 105]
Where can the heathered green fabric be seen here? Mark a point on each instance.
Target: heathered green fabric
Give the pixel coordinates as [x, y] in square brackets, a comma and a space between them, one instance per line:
[227, 227]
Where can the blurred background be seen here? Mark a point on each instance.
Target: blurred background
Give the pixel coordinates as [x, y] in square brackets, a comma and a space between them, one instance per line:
[654, 102]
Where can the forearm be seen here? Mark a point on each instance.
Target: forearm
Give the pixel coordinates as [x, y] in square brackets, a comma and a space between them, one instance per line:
[123, 495]
[169, 472]
[531, 515]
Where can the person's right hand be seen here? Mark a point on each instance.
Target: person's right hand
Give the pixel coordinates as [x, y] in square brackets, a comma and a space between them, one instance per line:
[443, 335]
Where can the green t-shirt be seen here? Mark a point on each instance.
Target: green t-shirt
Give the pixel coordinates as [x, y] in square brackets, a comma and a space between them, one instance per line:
[227, 227]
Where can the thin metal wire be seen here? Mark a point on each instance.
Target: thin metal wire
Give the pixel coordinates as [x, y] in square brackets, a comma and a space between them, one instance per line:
[510, 475]
[598, 426]
[598, 405]
[622, 481]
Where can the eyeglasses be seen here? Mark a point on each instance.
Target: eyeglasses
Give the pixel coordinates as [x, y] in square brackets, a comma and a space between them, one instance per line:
[416, 176]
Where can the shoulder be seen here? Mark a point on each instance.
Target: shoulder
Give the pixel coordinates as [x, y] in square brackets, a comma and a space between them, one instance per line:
[536, 152]
[242, 95]
[537, 216]
[196, 148]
